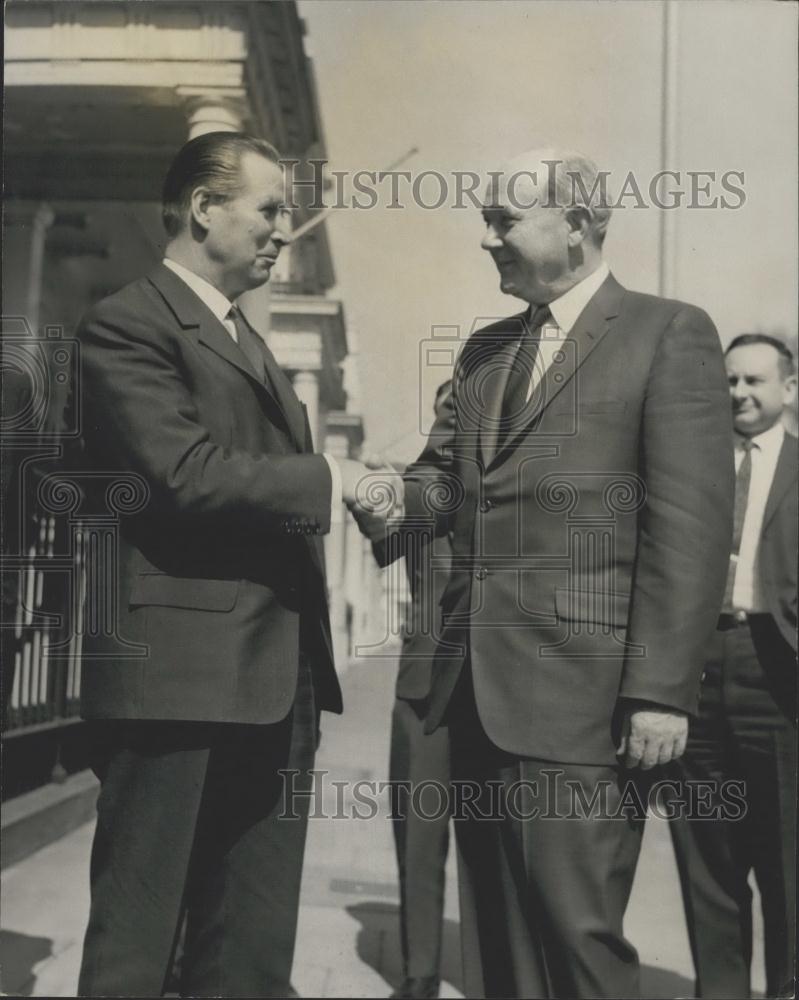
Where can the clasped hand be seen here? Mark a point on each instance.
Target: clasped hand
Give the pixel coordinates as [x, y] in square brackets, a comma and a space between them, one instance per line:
[373, 491]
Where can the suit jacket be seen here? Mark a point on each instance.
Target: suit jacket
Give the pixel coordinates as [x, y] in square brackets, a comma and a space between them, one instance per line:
[590, 550]
[220, 574]
[779, 542]
[428, 566]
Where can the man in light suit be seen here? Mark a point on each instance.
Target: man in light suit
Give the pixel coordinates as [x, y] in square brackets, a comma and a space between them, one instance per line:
[221, 579]
[587, 481]
[746, 730]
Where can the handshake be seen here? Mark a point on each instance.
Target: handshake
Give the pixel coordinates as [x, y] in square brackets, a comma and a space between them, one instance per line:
[374, 493]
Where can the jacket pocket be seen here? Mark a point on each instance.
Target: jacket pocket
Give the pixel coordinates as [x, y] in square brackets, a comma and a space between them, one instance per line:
[183, 592]
[592, 606]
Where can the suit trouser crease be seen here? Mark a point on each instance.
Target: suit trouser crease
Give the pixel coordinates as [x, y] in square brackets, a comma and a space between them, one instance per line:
[745, 732]
[421, 841]
[543, 899]
[188, 820]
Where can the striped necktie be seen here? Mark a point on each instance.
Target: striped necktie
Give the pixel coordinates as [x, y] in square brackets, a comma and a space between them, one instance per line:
[249, 342]
[514, 399]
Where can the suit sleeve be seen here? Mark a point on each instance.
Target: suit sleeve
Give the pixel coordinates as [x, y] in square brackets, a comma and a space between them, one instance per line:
[685, 525]
[431, 493]
[140, 416]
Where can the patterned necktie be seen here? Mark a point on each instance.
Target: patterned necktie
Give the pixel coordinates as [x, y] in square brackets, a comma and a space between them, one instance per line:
[514, 400]
[249, 342]
[743, 478]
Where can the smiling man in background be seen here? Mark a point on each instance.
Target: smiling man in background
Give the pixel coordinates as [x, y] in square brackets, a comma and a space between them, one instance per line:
[746, 730]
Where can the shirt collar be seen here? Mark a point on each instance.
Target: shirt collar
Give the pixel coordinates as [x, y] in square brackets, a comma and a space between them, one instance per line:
[768, 442]
[219, 305]
[566, 310]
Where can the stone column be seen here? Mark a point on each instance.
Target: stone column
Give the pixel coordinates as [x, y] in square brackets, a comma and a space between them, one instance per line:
[306, 385]
[25, 231]
[210, 113]
[337, 445]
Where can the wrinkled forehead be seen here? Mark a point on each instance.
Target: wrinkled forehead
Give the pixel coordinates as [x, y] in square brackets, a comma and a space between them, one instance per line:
[258, 173]
[761, 360]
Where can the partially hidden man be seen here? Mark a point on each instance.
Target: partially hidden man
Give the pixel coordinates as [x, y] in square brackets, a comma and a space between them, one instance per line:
[419, 768]
[587, 482]
[746, 729]
[221, 581]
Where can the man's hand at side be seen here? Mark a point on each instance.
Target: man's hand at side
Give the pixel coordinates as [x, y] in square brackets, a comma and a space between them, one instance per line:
[651, 735]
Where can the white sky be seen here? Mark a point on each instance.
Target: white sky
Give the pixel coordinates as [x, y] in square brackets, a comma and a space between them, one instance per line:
[472, 83]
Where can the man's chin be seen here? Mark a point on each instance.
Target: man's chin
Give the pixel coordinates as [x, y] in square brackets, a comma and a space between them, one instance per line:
[746, 428]
[260, 274]
[510, 287]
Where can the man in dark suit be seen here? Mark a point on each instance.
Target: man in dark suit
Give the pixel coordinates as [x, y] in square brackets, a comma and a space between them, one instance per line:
[746, 730]
[419, 767]
[587, 481]
[221, 580]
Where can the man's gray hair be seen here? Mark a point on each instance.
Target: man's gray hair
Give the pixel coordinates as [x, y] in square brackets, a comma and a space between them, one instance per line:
[575, 181]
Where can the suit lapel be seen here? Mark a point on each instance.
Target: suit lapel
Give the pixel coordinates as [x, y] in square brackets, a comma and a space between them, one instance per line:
[286, 396]
[192, 313]
[784, 477]
[591, 326]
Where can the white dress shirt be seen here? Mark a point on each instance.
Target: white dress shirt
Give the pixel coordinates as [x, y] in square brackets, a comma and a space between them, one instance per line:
[220, 306]
[565, 313]
[747, 594]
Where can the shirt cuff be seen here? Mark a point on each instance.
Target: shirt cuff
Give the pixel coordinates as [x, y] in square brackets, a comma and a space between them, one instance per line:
[337, 490]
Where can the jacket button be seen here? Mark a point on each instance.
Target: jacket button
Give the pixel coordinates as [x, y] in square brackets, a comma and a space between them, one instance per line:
[486, 506]
[481, 573]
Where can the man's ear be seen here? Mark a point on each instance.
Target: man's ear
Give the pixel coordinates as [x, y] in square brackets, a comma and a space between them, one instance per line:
[201, 201]
[578, 219]
[789, 391]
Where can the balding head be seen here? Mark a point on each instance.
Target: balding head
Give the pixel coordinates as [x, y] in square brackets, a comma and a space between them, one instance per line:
[547, 211]
[556, 178]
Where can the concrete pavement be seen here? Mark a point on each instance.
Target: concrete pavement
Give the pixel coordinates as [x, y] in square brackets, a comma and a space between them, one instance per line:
[348, 943]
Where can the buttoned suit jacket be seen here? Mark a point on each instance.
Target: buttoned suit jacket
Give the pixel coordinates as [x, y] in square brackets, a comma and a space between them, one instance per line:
[590, 550]
[220, 573]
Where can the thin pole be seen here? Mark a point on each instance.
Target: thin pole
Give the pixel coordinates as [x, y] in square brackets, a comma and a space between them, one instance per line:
[320, 217]
[668, 144]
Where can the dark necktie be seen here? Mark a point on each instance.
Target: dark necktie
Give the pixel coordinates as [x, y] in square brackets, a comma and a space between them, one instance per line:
[249, 342]
[743, 478]
[514, 400]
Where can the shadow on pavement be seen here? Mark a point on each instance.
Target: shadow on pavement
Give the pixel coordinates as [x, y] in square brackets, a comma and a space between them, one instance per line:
[379, 943]
[18, 955]
[379, 947]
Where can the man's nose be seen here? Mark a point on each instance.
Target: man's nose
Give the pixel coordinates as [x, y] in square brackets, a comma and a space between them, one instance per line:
[739, 390]
[490, 240]
[281, 234]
